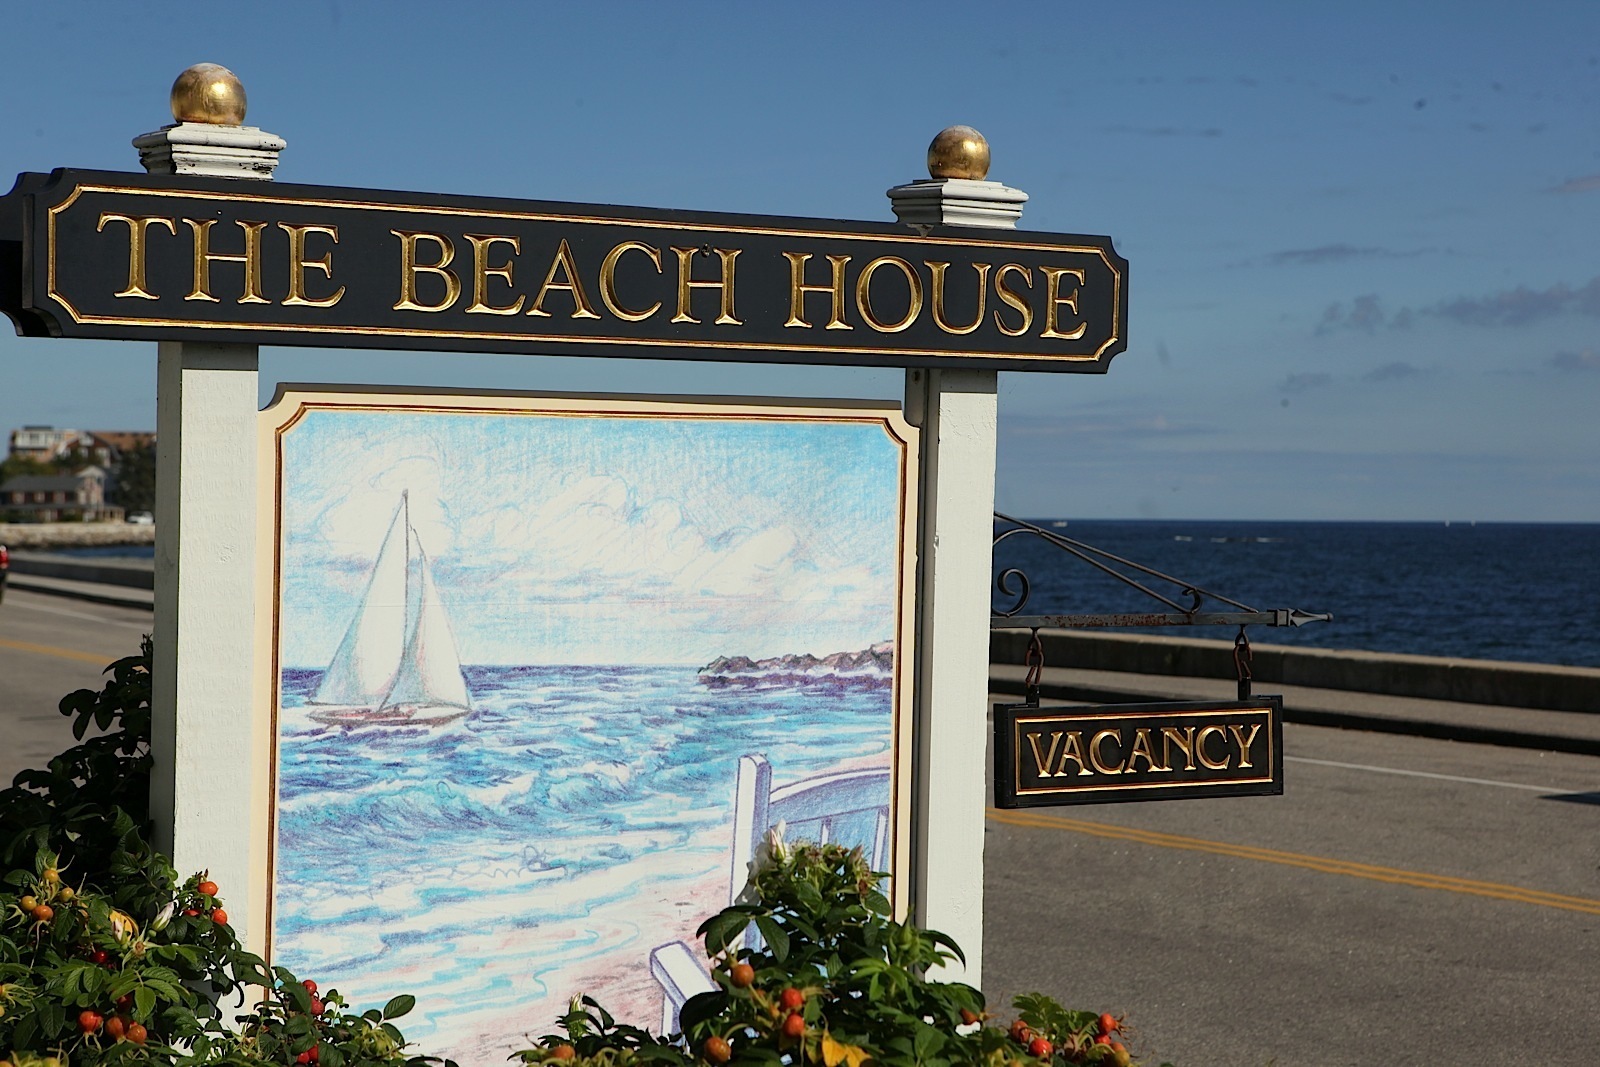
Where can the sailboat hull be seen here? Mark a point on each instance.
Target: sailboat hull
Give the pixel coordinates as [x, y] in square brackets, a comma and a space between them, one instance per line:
[390, 715]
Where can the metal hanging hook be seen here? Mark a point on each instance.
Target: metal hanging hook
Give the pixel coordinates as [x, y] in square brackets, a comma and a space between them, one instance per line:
[1035, 663]
[1241, 663]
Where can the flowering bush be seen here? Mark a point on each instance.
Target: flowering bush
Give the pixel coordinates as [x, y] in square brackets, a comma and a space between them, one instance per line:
[835, 981]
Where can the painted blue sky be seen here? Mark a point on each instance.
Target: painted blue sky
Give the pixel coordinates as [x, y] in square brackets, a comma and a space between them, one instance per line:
[600, 539]
[1362, 236]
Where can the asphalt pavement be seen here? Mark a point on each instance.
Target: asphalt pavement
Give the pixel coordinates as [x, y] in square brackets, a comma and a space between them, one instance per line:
[49, 646]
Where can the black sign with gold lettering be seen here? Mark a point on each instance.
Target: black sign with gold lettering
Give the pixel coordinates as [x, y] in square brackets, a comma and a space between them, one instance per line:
[1117, 752]
[86, 254]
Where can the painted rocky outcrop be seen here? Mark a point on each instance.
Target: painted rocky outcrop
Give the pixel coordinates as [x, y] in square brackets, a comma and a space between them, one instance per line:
[871, 667]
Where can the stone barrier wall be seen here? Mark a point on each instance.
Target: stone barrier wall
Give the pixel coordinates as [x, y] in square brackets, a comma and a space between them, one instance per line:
[1521, 685]
[46, 535]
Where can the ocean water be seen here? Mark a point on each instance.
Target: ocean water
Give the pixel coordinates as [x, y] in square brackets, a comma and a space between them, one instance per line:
[497, 865]
[1503, 591]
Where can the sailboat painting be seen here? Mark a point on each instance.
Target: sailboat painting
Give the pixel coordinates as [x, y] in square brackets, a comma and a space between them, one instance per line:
[527, 653]
[397, 664]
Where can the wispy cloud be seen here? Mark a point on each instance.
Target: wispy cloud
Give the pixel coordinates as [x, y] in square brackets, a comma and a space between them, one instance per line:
[1394, 372]
[1587, 184]
[1509, 307]
[1324, 254]
[1516, 307]
[1587, 360]
[1338, 253]
[1365, 314]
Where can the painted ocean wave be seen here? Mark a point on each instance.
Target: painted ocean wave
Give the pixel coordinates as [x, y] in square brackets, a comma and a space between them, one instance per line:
[543, 844]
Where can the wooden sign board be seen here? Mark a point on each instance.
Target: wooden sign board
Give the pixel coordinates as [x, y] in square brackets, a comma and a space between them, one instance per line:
[543, 671]
[1095, 755]
[142, 257]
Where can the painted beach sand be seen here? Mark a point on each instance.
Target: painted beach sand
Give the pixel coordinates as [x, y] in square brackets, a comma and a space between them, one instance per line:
[522, 655]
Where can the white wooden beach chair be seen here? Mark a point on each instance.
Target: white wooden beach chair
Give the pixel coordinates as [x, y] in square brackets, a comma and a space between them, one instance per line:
[850, 808]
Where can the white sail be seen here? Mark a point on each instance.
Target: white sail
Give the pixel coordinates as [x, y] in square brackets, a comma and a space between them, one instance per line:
[397, 664]
[430, 669]
[363, 668]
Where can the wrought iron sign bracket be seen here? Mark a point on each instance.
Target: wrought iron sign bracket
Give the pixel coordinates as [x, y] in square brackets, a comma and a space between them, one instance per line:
[1013, 582]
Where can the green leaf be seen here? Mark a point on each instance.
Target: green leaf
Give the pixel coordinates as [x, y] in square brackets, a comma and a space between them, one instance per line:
[809, 896]
[399, 1006]
[776, 937]
[945, 941]
[702, 1007]
[722, 928]
[144, 1001]
[52, 1017]
[297, 995]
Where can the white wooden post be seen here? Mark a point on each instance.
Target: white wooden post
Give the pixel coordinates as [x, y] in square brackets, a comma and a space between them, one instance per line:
[957, 412]
[207, 791]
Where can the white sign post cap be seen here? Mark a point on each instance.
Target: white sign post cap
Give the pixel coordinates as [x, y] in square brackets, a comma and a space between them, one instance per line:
[956, 193]
[209, 137]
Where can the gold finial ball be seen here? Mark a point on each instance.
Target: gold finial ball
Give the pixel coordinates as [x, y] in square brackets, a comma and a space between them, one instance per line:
[959, 152]
[209, 93]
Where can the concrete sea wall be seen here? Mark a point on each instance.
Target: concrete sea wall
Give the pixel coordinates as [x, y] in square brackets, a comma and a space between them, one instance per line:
[1522, 685]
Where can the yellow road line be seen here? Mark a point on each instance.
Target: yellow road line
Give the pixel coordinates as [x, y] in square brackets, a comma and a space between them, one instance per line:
[97, 658]
[1392, 875]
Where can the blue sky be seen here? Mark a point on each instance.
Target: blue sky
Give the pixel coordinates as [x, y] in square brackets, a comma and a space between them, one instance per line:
[1364, 278]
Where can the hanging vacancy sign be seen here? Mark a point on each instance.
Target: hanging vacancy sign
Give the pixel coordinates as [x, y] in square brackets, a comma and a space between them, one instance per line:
[1119, 752]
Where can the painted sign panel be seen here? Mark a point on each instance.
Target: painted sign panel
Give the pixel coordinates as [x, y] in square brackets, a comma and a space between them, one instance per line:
[147, 257]
[1120, 752]
[524, 652]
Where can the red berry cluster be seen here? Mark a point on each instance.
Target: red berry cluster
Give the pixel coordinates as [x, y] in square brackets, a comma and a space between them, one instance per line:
[1101, 1048]
[118, 1027]
[786, 1010]
[204, 900]
[318, 1006]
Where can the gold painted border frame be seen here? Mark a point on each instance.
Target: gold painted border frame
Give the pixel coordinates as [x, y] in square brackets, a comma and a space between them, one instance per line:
[293, 402]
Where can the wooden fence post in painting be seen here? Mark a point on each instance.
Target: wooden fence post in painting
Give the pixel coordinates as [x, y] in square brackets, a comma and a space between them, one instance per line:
[956, 410]
[208, 748]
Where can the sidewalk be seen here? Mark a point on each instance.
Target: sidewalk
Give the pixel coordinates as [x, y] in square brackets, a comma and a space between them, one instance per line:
[1556, 731]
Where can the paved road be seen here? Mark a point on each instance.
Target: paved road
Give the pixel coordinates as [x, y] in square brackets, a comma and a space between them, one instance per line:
[49, 646]
[1408, 900]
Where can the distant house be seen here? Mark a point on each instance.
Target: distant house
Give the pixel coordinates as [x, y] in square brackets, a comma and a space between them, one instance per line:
[104, 448]
[58, 498]
[45, 443]
[107, 447]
